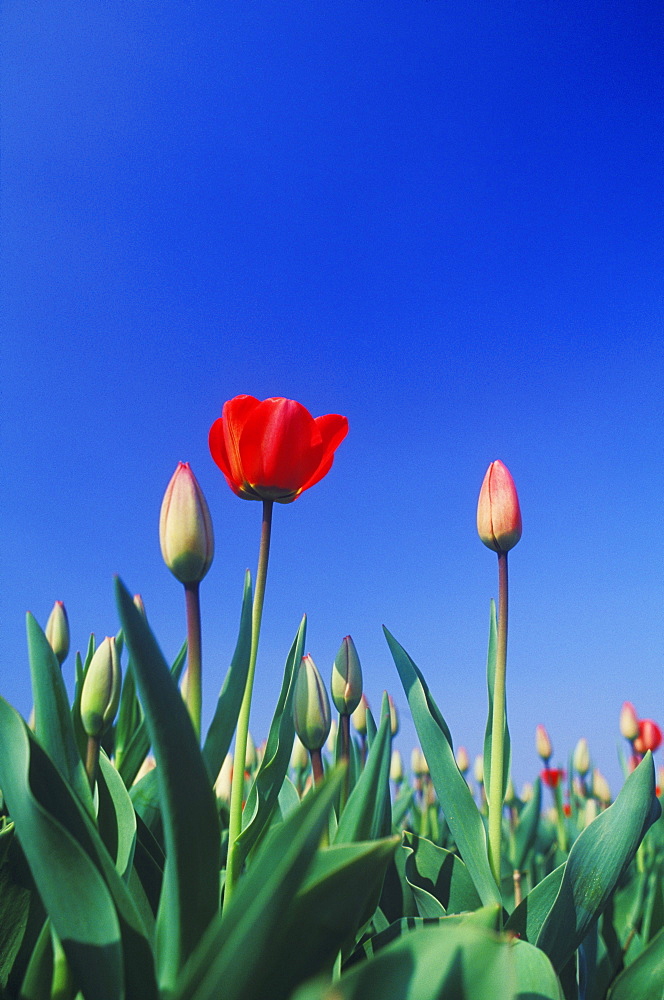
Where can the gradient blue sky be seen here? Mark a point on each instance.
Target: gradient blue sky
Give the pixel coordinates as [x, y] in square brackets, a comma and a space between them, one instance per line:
[441, 220]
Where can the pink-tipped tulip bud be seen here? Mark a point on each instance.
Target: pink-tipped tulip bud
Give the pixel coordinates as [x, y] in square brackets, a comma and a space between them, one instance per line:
[138, 604]
[346, 686]
[601, 788]
[396, 767]
[57, 632]
[581, 758]
[394, 716]
[185, 527]
[649, 738]
[478, 769]
[463, 763]
[629, 721]
[222, 786]
[498, 512]
[311, 707]
[359, 716]
[101, 689]
[418, 763]
[543, 743]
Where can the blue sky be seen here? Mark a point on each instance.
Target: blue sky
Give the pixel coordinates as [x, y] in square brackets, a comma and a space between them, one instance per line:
[441, 220]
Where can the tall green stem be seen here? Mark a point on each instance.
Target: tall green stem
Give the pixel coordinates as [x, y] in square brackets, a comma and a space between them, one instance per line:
[237, 785]
[498, 725]
[192, 680]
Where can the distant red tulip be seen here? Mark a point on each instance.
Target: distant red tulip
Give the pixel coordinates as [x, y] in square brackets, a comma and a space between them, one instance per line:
[552, 776]
[649, 738]
[274, 449]
[567, 809]
[498, 512]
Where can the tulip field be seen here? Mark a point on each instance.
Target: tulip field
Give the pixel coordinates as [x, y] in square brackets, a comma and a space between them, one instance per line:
[143, 856]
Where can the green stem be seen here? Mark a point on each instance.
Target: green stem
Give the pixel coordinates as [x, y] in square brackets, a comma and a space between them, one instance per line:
[344, 726]
[498, 725]
[92, 760]
[316, 766]
[192, 680]
[560, 818]
[237, 785]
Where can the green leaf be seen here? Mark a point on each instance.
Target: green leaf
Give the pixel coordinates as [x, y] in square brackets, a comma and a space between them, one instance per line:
[491, 680]
[644, 978]
[53, 724]
[116, 817]
[439, 879]
[222, 727]
[243, 952]
[527, 919]
[596, 861]
[190, 893]
[14, 904]
[461, 813]
[138, 745]
[526, 830]
[457, 961]
[366, 815]
[264, 792]
[62, 869]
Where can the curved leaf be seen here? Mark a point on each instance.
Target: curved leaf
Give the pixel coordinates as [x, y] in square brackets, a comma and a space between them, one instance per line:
[526, 830]
[644, 978]
[116, 819]
[222, 727]
[490, 680]
[367, 815]
[439, 879]
[595, 863]
[461, 813]
[190, 893]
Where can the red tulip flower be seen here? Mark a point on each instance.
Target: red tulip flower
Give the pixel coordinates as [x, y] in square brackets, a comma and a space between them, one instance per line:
[274, 449]
[649, 738]
[552, 776]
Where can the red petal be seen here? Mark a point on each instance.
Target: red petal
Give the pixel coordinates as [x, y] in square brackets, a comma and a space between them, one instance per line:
[280, 446]
[333, 429]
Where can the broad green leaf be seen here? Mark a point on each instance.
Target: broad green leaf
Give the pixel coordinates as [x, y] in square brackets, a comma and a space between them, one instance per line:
[222, 727]
[461, 813]
[14, 904]
[402, 806]
[138, 745]
[144, 796]
[190, 893]
[527, 919]
[45, 793]
[644, 978]
[444, 962]
[129, 717]
[490, 680]
[116, 817]
[526, 830]
[244, 949]
[60, 866]
[536, 978]
[439, 879]
[366, 815]
[595, 863]
[53, 724]
[264, 792]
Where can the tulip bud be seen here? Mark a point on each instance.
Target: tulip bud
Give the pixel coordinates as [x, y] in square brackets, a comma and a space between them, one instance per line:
[527, 792]
[138, 604]
[601, 789]
[543, 743]
[101, 689]
[394, 716]
[311, 708]
[510, 794]
[359, 716]
[222, 786]
[418, 763]
[57, 632]
[346, 686]
[185, 527]
[649, 738]
[332, 737]
[396, 767]
[462, 760]
[498, 512]
[581, 759]
[299, 756]
[589, 811]
[250, 755]
[148, 765]
[629, 721]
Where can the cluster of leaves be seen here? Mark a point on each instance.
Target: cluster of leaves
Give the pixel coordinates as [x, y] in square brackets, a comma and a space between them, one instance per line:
[118, 892]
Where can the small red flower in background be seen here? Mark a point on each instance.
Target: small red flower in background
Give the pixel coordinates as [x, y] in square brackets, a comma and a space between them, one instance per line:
[649, 738]
[274, 449]
[567, 809]
[552, 776]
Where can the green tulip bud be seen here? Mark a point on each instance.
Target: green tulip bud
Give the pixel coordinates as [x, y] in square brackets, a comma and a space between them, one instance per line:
[311, 707]
[185, 527]
[394, 716]
[57, 632]
[396, 767]
[359, 716]
[101, 689]
[462, 759]
[299, 756]
[346, 684]
[581, 759]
